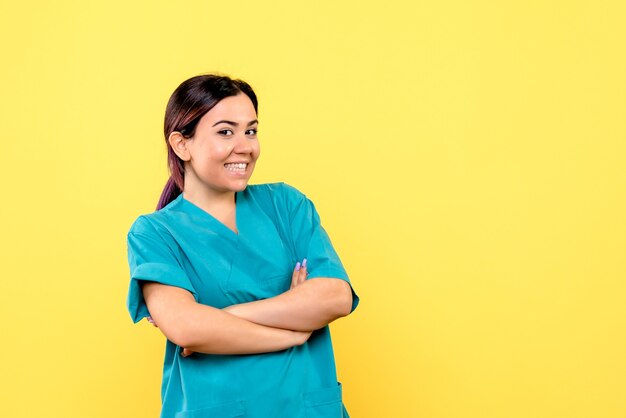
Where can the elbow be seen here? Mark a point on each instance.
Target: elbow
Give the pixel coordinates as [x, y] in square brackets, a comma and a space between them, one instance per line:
[179, 330]
[335, 295]
[345, 306]
[342, 297]
[174, 332]
[180, 337]
[174, 310]
[187, 328]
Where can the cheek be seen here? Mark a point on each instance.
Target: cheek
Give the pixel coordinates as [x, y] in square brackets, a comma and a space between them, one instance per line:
[220, 151]
[256, 150]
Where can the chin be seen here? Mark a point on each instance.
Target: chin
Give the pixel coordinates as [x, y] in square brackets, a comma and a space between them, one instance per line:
[239, 186]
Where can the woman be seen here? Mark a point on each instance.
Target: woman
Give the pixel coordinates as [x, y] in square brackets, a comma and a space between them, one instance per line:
[242, 280]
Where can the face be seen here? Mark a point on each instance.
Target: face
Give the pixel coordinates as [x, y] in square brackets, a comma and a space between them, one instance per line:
[221, 155]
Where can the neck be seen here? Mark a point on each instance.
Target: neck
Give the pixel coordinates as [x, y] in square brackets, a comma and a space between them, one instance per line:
[211, 201]
[219, 205]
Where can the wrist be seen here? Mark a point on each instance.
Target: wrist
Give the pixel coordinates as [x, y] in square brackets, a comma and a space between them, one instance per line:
[242, 310]
[233, 310]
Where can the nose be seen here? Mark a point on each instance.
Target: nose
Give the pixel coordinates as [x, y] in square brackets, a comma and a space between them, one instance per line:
[242, 145]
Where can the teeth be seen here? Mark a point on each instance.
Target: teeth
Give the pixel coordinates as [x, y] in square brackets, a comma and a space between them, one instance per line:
[236, 166]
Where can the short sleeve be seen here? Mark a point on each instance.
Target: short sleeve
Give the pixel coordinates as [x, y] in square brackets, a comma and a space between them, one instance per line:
[311, 240]
[150, 259]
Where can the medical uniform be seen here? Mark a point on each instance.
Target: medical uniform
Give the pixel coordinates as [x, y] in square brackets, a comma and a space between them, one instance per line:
[183, 245]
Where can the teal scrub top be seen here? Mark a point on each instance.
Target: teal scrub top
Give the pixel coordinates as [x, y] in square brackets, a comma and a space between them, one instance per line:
[182, 245]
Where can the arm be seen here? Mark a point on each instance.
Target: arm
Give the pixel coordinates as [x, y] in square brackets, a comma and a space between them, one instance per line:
[205, 329]
[307, 306]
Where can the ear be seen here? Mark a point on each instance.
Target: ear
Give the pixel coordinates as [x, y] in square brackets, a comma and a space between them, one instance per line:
[179, 144]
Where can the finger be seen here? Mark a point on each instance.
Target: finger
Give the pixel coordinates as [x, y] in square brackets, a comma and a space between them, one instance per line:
[149, 318]
[303, 272]
[295, 276]
[186, 352]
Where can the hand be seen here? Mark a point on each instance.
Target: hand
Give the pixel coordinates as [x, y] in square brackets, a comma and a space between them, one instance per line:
[186, 352]
[299, 274]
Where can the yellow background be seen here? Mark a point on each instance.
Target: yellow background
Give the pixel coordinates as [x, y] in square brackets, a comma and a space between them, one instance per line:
[467, 158]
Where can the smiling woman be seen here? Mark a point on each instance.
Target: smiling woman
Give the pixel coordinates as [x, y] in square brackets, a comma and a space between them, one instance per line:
[241, 279]
[219, 158]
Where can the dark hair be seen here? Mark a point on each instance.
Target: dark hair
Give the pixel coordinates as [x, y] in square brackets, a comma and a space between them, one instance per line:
[189, 102]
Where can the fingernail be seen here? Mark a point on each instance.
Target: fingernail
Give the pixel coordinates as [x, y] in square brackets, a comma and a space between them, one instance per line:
[304, 263]
[298, 266]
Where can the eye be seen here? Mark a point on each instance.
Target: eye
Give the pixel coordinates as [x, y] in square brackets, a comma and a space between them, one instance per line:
[251, 132]
[225, 132]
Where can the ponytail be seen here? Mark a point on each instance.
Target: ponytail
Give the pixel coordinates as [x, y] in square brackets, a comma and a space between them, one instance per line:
[176, 182]
[170, 192]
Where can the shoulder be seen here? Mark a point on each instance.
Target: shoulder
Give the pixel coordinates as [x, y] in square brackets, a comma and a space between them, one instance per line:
[282, 196]
[143, 225]
[154, 223]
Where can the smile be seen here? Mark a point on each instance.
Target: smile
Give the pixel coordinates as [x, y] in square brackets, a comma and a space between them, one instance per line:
[236, 166]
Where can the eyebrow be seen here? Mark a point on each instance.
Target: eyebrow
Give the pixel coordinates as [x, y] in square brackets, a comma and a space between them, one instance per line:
[229, 122]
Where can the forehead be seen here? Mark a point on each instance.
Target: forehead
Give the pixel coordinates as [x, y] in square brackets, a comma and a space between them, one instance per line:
[237, 108]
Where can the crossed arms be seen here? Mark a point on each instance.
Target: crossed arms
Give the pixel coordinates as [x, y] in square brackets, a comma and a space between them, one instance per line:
[261, 326]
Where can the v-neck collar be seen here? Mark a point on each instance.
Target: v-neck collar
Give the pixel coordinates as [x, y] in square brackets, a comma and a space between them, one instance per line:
[219, 225]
